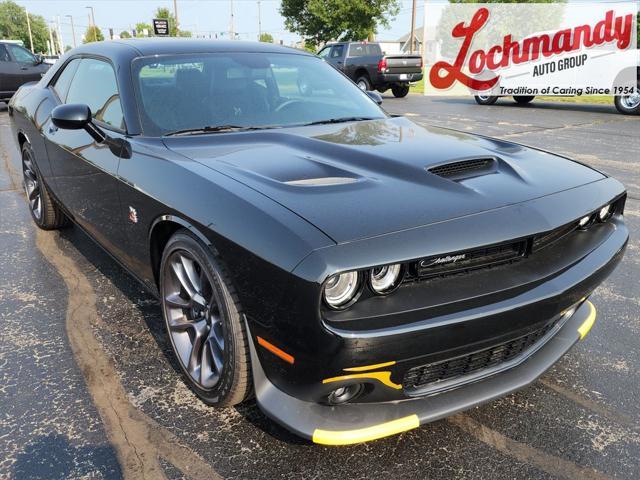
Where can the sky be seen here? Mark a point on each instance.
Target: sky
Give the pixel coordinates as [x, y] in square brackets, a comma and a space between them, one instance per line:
[204, 17]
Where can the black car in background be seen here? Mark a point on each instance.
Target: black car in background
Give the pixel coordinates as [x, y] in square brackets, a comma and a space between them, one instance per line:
[359, 273]
[366, 64]
[17, 67]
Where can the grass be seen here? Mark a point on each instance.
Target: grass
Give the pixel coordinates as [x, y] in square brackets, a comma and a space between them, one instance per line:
[418, 87]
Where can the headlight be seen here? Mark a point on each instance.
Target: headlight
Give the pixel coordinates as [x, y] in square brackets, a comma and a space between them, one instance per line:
[584, 221]
[605, 213]
[385, 279]
[340, 289]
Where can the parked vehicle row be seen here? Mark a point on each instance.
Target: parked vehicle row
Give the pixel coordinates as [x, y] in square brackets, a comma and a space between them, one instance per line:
[18, 66]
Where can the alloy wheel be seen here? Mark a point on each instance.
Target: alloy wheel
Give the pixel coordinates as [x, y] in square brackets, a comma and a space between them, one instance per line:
[194, 319]
[32, 186]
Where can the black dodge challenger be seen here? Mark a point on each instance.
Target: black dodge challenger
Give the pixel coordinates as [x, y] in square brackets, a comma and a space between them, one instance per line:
[358, 273]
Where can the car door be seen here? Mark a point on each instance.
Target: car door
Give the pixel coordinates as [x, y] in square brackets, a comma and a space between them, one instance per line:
[84, 172]
[26, 67]
[336, 57]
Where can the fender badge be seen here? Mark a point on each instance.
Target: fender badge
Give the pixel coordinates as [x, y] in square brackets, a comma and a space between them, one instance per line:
[133, 215]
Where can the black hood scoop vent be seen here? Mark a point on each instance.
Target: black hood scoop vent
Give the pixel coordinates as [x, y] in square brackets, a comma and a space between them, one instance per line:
[470, 167]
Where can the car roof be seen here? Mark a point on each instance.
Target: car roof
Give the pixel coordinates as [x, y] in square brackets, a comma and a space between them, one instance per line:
[168, 46]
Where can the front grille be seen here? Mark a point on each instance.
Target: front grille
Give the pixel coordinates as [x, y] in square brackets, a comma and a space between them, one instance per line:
[428, 375]
[462, 262]
[547, 238]
[461, 168]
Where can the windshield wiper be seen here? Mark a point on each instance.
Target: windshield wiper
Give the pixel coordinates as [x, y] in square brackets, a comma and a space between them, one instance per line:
[213, 129]
[340, 120]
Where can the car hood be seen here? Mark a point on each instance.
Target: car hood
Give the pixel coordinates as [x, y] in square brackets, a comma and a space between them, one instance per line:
[363, 179]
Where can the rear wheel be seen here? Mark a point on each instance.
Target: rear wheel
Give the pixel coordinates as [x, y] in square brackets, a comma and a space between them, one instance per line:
[44, 211]
[400, 91]
[485, 99]
[628, 104]
[364, 83]
[204, 322]
[523, 100]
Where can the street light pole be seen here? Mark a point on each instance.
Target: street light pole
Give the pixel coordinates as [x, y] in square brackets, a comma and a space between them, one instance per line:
[413, 26]
[259, 23]
[232, 33]
[92, 21]
[73, 31]
[60, 42]
[29, 28]
[175, 14]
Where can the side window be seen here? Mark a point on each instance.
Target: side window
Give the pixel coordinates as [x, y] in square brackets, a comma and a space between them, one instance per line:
[324, 53]
[94, 84]
[62, 83]
[21, 55]
[4, 55]
[337, 51]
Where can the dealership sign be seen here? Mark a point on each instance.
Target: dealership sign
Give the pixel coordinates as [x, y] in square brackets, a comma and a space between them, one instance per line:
[161, 27]
[531, 49]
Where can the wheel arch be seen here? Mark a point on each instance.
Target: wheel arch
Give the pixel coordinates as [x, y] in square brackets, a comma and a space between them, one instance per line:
[161, 231]
[362, 72]
[22, 139]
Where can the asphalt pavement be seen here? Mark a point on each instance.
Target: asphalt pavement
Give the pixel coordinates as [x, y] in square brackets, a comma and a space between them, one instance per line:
[88, 388]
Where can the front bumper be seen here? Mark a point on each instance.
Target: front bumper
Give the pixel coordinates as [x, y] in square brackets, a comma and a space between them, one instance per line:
[356, 423]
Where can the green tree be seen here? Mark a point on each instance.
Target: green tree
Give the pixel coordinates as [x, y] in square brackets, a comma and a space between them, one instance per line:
[266, 37]
[125, 34]
[166, 14]
[319, 21]
[13, 26]
[141, 27]
[93, 34]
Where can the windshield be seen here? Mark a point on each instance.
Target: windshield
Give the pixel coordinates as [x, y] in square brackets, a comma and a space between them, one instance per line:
[179, 93]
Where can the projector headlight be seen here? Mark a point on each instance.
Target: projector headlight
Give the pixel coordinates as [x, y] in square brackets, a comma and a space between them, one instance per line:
[385, 279]
[341, 289]
[605, 213]
[584, 221]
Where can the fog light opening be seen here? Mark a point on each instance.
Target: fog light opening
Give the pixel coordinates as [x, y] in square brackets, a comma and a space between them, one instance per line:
[342, 395]
[605, 213]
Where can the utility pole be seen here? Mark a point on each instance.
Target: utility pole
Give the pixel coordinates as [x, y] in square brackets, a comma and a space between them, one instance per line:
[60, 42]
[175, 14]
[259, 22]
[29, 28]
[92, 22]
[232, 33]
[73, 31]
[413, 26]
[52, 46]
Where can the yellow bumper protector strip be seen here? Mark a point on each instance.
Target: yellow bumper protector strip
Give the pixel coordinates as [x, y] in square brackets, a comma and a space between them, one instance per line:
[349, 437]
[369, 367]
[588, 323]
[382, 377]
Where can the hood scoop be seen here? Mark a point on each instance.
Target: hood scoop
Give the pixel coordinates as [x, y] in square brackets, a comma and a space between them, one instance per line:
[461, 169]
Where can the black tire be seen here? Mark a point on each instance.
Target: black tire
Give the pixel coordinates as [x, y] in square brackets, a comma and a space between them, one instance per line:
[627, 104]
[523, 100]
[233, 384]
[44, 211]
[485, 99]
[364, 83]
[400, 91]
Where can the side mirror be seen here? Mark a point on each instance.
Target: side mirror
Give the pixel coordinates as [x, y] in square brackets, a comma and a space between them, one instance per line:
[76, 116]
[375, 96]
[39, 59]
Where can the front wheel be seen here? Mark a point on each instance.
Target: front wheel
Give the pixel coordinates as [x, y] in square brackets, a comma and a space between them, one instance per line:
[400, 91]
[628, 104]
[45, 213]
[203, 319]
[524, 99]
[485, 99]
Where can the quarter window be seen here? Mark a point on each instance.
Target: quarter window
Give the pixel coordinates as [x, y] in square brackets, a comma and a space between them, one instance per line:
[21, 54]
[94, 84]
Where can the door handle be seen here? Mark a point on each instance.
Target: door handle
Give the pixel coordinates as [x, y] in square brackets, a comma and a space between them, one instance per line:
[24, 68]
